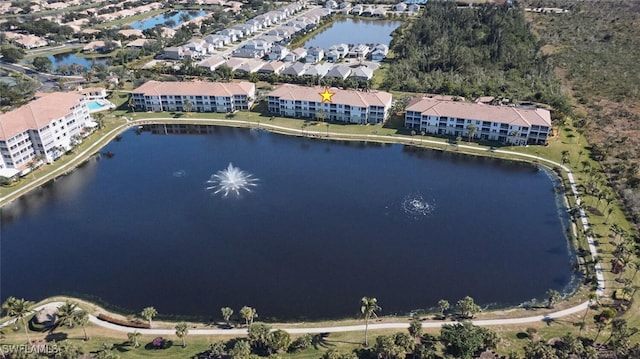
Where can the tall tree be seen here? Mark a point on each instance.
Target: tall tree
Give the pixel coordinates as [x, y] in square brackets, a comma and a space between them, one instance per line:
[471, 131]
[81, 317]
[18, 309]
[182, 330]
[134, 338]
[226, 314]
[553, 298]
[444, 305]
[467, 307]
[248, 314]
[66, 313]
[415, 327]
[462, 340]
[278, 341]
[149, 313]
[368, 309]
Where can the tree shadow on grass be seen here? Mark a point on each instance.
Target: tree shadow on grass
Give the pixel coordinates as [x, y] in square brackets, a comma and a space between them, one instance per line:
[320, 341]
[55, 337]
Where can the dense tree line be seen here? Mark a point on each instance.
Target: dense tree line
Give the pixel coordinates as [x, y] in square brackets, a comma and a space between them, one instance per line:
[595, 47]
[472, 51]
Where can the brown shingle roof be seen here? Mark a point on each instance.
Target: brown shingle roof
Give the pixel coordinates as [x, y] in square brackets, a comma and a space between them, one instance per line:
[471, 111]
[344, 97]
[196, 88]
[37, 113]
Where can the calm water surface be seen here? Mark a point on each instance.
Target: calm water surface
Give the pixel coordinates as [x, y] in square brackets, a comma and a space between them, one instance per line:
[328, 223]
[163, 18]
[68, 58]
[355, 31]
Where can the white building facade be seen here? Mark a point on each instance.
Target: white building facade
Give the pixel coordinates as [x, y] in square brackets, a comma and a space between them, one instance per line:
[194, 96]
[44, 128]
[517, 126]
[349, 106]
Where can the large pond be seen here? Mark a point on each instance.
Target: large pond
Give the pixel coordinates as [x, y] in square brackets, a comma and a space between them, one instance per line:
[171, 19]
[355, 31]
[326, 224]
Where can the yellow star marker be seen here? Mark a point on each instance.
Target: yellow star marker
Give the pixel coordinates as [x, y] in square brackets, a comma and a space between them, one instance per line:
[326, 95]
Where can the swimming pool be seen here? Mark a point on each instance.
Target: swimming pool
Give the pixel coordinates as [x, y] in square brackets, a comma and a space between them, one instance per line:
[99, 105]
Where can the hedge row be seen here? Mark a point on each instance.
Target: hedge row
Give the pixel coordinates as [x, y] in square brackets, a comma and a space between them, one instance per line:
[125, 323]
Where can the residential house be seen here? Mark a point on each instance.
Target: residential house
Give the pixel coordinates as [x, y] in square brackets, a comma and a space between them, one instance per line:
[173, 53]
[332, 56]
[99, 46]
[400, 7]
[212, 63]
[348, 106]
[296, 69]
[505, 124]
[344, 5]
[250, 66]
[330, 4]
[234, 63]
[232, 34]
[45, 127]
[356, 10]
[379, 11]
[217, 41]
[361, 73]
[273, 67]
[315, 54]
[295, 55]
[339, 72]
[200, 96]
[359, 51]
[413, 8]
[139, 43]
[278, 52]
[130, 33]
[379, 52]
[318, 70]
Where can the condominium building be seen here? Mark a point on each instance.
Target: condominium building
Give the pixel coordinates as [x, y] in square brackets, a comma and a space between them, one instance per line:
[518, 126]
[195, 96]
[44, 128]
[349, 106]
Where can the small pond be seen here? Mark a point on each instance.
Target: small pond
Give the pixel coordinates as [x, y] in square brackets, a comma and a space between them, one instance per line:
[171, 19]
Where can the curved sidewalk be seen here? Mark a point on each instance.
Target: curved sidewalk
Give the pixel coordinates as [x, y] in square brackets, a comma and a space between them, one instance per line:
[334, 329]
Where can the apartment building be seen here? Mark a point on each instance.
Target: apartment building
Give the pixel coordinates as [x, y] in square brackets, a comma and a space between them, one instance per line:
[348, 106]
[45, 128]
[195, 96]
[518, 126]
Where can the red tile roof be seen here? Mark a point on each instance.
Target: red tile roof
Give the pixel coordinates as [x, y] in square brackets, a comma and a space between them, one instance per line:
[195, 88]
[37, 113]
[480, 112]
[344, 97]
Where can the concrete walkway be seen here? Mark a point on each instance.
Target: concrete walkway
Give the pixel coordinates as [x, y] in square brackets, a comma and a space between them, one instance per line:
[315, 330]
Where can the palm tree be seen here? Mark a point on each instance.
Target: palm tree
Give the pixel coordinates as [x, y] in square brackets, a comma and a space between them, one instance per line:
[226, 314]
[368, 309]
[471, 131]
[188, 105]
[148, 313]
[554, 297]
[66, 312]
[248, 314]
[81, 317]
[134, 338]
[18, 309]
[181, 332]
[565, 156]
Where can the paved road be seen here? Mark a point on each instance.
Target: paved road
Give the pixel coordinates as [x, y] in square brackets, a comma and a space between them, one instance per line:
[47, 81]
